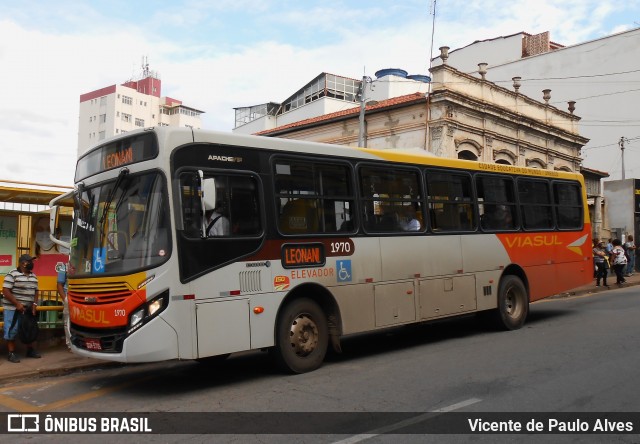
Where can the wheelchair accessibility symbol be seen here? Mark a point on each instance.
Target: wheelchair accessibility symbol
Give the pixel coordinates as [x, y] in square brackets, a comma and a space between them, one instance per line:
[343, 271]
[99, 257]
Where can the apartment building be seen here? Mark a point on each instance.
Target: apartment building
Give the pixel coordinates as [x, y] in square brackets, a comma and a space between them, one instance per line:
[135, 104]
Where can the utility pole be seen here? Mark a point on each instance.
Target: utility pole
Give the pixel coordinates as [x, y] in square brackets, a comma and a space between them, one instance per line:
[363, 99]
[621, 143]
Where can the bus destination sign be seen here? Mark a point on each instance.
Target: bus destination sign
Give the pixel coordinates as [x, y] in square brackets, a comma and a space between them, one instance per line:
[119, 157]
[303, 255]
[117, 154]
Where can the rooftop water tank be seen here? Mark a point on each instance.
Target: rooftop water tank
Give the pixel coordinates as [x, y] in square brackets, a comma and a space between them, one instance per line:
[391, 72]
[419, 78]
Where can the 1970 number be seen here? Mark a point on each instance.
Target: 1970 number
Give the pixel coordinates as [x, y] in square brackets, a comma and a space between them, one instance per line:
[340, 247]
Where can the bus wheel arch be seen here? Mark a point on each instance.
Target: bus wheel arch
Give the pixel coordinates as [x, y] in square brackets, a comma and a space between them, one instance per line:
[513, 299]
[308, 318]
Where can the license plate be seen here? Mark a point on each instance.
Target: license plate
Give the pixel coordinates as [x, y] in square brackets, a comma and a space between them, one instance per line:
[93, 344]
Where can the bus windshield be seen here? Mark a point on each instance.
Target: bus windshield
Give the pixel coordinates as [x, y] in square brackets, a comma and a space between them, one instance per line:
[121, 226]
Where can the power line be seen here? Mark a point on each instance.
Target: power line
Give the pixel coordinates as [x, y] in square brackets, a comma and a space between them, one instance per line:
[574, 77]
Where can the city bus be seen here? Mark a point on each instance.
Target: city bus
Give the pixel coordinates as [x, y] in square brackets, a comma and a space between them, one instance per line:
[315, 242]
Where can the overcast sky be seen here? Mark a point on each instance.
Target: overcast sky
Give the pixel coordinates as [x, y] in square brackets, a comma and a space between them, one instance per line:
[217, 55]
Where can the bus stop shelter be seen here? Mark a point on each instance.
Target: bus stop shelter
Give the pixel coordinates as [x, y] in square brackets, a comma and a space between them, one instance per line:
[24, 228]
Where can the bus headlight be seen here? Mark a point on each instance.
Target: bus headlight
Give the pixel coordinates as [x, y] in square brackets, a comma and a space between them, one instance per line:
[137, 316]
[154, 306]
[148, 311]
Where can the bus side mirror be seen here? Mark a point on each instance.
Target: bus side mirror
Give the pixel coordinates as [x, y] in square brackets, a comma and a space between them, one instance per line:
[209, 194]
[53, 220]
[208, 199]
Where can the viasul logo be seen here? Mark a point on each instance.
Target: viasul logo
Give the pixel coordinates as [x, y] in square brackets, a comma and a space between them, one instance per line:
[576, 246]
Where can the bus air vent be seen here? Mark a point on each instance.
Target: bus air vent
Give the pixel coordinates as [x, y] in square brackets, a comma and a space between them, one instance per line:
[99, 293]
[250, 281]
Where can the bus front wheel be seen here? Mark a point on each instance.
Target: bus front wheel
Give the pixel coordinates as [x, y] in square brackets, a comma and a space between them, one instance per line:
[301, 337]
[513, 303]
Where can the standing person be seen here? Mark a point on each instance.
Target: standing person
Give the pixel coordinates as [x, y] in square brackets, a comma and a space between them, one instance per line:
[630, 248]
[62, 293]
[19, 292]
[596, 242]
[599, 258]
[618, 261]
[609, 246]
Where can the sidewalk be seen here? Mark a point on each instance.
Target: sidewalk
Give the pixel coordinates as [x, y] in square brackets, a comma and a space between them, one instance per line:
[56, 360]
[591, 288]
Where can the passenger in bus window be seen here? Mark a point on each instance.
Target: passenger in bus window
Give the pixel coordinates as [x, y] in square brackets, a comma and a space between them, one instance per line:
[218, 223]
[497, 217]
[410, 222]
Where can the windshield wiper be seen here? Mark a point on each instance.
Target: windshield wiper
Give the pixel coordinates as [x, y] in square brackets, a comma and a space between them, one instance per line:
[107, 203]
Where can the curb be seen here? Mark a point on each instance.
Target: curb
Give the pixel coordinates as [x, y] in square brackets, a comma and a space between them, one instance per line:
[22, 370]
[593, 290]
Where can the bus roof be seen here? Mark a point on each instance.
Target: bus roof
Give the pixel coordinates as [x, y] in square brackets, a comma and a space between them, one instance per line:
[401, 155]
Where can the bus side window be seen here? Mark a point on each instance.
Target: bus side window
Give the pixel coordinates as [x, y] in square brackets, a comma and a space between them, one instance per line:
[299, 216]
[244, 212]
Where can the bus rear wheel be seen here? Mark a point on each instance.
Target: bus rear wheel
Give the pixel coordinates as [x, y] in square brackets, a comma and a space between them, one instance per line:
[301, 337]
[513, 303]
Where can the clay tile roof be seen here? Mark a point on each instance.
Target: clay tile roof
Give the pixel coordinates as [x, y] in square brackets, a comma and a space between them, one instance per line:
[395, 101]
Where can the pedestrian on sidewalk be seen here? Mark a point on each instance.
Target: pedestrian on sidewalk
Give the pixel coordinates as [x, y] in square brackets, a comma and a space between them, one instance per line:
[19, 291]
[618, 261]
[630, 249]
[599, 258]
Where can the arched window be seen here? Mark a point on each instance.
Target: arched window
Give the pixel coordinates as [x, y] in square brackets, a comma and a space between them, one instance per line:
[504, 157]
[536, 163]
[467, 155]
[468, 149]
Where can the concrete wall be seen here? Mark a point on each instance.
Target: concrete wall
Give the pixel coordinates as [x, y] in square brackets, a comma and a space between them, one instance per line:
[619, 205]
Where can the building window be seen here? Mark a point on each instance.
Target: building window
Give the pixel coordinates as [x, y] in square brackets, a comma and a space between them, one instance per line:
[101, 135]
[103, 100]
[139, 122]
[127, 100]
[103, 118]
[126, 117]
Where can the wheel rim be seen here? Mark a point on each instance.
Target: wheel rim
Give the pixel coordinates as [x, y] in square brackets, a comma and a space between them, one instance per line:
[303, 335]
[512, 303]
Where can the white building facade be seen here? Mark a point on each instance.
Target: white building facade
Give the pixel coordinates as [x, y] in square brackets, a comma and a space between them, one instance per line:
[598, 77]
[326, 94]
[117, 109]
